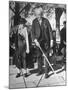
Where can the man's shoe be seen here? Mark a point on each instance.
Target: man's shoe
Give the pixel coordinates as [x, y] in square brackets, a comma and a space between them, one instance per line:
[18, 75]
[39, 73]
[46, 76]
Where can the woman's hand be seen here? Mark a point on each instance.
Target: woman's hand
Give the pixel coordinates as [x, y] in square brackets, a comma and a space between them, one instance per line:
[51, 43]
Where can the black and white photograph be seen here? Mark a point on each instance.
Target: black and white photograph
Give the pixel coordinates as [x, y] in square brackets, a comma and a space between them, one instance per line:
[37, 44]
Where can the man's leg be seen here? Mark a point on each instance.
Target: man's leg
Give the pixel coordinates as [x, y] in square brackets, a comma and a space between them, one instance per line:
[46, 65]
[40, 64]
[39, 61]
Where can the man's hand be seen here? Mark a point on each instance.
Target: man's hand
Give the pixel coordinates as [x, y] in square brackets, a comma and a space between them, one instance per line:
[36, 42]
[51, 43]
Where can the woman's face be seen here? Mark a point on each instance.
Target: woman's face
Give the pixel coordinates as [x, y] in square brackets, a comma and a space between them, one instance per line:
[20, 26]
[64, 25]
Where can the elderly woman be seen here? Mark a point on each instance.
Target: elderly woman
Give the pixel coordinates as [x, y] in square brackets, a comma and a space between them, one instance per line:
[23, 48]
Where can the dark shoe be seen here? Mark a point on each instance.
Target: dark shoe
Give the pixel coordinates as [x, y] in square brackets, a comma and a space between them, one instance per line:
[27, 74]
[46, 76]
[39, 73]
[18, 75]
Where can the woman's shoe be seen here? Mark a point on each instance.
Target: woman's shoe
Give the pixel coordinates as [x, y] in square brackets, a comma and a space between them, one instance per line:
[18, 75]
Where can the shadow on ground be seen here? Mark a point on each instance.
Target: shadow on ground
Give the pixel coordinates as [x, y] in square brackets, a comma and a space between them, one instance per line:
[57, 67]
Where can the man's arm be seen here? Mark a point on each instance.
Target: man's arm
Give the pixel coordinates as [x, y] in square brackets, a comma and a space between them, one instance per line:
[33, 31]
[33, 34]
[50, 33]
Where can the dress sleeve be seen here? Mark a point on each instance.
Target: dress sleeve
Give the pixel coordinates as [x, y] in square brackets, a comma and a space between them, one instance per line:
[27, 41]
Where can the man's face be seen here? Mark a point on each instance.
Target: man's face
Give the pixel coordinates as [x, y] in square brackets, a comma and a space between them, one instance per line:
[38, 15]
[38, 12]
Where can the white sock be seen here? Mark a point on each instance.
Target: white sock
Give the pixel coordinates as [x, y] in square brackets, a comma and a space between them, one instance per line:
[18, 70]
[27, 70]
[24, 71]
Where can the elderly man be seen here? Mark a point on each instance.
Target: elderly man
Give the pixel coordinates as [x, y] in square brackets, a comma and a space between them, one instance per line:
[42, 34]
